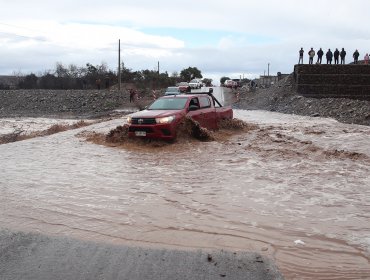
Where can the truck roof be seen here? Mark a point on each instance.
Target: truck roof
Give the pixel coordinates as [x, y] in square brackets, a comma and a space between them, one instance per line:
[189, 95]
[194, 94]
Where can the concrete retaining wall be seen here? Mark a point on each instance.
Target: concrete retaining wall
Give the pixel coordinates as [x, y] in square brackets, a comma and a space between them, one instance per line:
[338, 81]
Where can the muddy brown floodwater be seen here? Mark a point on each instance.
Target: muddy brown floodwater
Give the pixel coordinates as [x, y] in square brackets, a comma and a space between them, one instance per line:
[296, 189]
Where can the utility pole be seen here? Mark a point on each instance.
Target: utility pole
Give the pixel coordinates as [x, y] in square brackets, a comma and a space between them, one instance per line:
[158, 68]
[268, 69]
[119, 64]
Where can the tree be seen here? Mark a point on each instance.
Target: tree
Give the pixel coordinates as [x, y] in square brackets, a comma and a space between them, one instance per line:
[74, 77]
[29, 82]
[48, 81]
[91, 70]
[207, 82]
[223, 79]
[102, 69]
[190, 73]
[74, 71]
[61, 71]
[127, 75]
[67, 78]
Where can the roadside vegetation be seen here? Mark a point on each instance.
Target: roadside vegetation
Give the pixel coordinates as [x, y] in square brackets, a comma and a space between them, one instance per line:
[99, 76]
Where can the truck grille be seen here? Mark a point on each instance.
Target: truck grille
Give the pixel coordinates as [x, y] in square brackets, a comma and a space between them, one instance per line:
[143, 121]
[146, 129]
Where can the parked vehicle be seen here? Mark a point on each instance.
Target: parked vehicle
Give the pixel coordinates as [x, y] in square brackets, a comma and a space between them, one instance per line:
[172, 91]
[162, 118]
[230, 84]
[195, 83]
[184, 87]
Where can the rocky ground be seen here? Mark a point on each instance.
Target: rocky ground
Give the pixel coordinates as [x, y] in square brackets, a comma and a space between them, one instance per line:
[281, 97]
[66, 103]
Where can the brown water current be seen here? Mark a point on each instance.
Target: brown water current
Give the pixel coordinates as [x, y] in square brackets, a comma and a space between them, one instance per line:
[295, 188]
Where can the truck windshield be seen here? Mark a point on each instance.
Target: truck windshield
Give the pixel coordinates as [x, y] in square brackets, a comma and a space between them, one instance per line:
[168, 104]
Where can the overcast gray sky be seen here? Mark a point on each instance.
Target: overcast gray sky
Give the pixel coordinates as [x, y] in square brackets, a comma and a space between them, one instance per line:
[221, 38]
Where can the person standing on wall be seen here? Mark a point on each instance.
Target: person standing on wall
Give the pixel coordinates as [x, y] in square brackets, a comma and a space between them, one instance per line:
[366, 59]
[301, 52]
[356, 54]
[329, 56]
[336, 56]
[311, 55]
[320, 53]
[98, 83]
[343, 56]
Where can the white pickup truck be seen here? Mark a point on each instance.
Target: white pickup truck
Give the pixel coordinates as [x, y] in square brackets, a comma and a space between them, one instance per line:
[195, 83]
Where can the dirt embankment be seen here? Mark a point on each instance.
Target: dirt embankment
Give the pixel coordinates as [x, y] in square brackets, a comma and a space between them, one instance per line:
[66, 103]
[282, 97]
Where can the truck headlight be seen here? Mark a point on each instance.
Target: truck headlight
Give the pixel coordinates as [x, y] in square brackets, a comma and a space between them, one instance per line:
[129, 119]
[165, 119]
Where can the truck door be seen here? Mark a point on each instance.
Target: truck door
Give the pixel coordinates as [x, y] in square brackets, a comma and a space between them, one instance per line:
[205, 113]
[194, 111]
[208, 112]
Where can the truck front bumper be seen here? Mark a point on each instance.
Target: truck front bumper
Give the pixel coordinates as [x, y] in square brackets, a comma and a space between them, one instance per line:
[154, 131]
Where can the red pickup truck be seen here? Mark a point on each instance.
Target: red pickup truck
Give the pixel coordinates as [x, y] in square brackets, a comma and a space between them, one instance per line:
[161, 119]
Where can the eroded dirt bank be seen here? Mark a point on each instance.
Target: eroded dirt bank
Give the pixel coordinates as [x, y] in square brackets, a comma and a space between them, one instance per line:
[65, 103]
[282, 97]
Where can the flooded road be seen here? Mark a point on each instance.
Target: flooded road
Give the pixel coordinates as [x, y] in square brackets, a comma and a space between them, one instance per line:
[296, 189]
